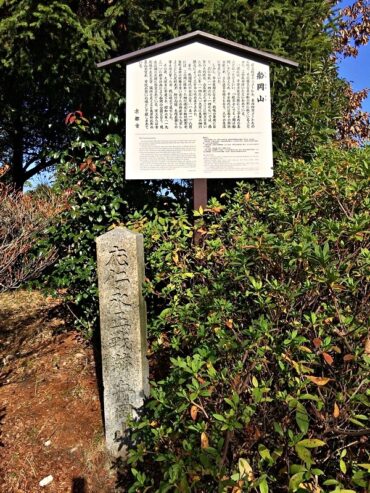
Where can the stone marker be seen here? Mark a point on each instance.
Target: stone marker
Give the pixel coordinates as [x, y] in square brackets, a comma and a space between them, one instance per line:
[120, 255]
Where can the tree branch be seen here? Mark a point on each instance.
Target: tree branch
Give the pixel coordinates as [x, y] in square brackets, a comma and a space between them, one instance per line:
[43, 164]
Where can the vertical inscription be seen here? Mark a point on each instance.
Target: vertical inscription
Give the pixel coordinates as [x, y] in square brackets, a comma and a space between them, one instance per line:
[198, 112]
[123, 331]
[200, 94]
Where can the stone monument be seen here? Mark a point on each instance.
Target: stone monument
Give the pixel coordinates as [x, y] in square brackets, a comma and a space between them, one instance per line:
[120, 255]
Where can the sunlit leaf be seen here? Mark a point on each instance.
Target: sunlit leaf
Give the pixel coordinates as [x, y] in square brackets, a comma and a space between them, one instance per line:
[304, 454]
[336, 411]
[193, 412]
[295, 481]
[245, 469]
[302, 418]
[311, 443]
[319, 380]
[263, 486]
[204, 442]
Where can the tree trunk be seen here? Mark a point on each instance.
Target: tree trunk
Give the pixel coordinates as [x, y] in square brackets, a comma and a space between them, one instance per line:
[17, 170]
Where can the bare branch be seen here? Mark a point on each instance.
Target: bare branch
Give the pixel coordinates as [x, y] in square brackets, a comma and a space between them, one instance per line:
[23, 219]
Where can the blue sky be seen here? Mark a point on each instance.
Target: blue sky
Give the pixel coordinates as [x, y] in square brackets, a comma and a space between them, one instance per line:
[357, 70]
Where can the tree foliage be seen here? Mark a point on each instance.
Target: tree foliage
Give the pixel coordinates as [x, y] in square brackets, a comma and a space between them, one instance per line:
[354, 28]
[354, 31]
[48, 54]
[307, 103]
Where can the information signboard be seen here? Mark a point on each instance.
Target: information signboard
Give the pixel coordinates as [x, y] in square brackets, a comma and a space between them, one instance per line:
[198, 111]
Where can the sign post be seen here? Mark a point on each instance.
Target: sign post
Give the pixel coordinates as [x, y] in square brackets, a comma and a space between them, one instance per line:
[200, 197]
[198, 107]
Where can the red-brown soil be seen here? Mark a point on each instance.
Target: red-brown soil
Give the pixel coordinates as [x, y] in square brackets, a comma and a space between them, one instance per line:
[50, 412]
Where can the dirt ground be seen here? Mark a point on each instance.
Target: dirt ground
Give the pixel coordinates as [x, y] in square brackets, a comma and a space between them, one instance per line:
[50, 411]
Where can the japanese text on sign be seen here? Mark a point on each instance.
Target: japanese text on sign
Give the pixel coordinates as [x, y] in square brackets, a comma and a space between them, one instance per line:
[198, 112]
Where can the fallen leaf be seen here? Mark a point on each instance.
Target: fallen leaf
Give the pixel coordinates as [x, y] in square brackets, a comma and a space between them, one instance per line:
[319, 380]
[317, 342]
[348, 357]
[286, 357]
[253, 432]
[204, 442]
[229, 323]
[329, 359]
[193, 412]
[247, 197]
[336, 411]
[337, 287]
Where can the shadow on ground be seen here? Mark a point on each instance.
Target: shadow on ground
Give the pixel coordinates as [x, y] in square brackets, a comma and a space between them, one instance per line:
[50, 414]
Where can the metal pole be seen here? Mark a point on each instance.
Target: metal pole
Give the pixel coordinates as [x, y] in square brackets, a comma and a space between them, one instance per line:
[200, 193]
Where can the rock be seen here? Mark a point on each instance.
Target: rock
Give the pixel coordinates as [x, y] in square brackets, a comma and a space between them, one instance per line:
[46, 481]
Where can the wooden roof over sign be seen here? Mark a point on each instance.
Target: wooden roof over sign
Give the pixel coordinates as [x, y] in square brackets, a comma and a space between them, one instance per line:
[202, 37]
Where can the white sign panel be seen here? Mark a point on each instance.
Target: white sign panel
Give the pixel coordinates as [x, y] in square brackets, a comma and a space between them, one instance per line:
[198, 112]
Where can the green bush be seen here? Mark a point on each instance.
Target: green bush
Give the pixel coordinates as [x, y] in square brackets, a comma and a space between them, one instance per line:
[259, 344]
[258, 341]
[90, 177]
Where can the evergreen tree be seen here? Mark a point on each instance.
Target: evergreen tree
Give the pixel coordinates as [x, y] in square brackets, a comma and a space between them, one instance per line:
[48, 53]
[306, 102]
